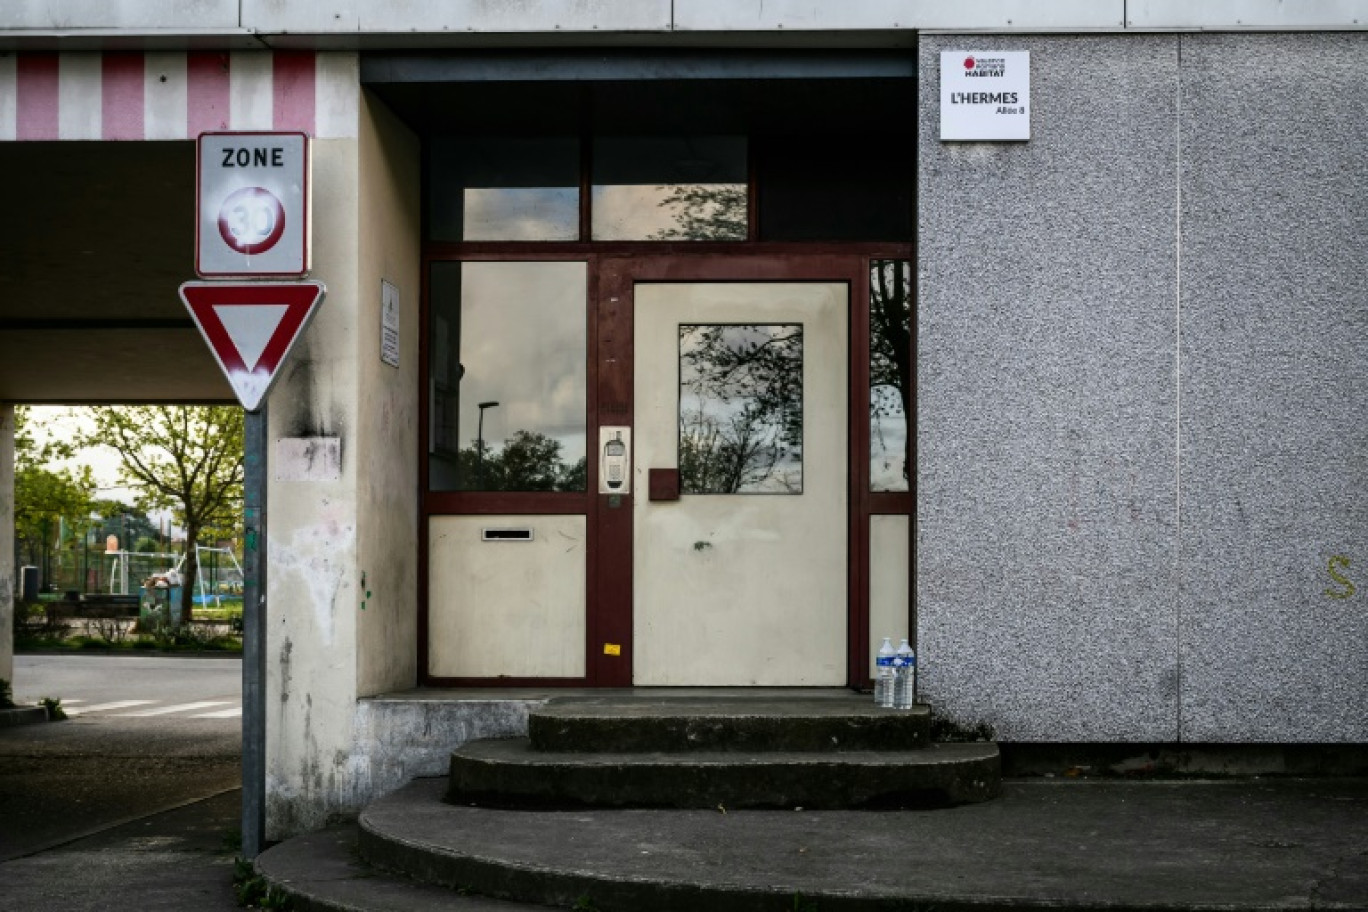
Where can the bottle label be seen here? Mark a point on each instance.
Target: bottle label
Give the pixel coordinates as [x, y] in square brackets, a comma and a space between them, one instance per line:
[884, 661]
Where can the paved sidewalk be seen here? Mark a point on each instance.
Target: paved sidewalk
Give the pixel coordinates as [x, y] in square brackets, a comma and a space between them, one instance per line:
[176, 861]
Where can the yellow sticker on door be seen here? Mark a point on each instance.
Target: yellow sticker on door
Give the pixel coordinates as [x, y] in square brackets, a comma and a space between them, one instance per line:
[612, 649]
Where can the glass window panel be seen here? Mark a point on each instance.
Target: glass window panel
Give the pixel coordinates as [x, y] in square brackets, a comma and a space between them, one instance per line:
[890, 372]
[508, 377]
[504, 189]
[741, 408]
[665, 188]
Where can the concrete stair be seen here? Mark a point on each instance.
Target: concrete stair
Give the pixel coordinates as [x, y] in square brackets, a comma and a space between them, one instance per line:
[838, 752]
[608, 802]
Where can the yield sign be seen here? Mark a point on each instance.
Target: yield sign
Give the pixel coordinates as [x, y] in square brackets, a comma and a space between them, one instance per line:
[251, 327]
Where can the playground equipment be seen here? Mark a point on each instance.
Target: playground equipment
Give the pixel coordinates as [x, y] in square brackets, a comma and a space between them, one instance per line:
[212, 582]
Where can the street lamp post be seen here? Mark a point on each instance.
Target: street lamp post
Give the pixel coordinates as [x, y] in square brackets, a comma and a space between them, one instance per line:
[479, 439]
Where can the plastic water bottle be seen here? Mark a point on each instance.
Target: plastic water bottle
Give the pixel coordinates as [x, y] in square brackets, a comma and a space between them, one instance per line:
[905, 676]
[883, 674]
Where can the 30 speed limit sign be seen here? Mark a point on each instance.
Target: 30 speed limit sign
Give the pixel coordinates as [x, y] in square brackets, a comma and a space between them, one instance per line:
[252, 205]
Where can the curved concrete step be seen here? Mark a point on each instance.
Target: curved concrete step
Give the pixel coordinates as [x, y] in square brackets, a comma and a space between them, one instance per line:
[508, 773]
[321, 872]
[1099, 846]
[611, 724]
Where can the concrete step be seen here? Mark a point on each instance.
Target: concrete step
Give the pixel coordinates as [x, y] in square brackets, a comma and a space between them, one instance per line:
[509, 773]
[617, 724]
[1102, 846]
[322, 871]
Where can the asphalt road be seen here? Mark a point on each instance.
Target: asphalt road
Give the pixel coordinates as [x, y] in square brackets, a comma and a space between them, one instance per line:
[133, 802]
[90, 683]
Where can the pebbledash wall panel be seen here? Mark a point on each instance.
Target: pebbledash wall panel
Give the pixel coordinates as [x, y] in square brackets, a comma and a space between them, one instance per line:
[1047, 510]
[1141, 441]
[1273, 447]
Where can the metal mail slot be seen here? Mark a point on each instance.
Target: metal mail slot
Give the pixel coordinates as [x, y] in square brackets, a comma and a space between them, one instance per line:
[506, 535]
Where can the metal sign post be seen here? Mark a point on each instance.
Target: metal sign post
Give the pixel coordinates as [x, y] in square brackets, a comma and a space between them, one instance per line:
[252, 222]
[254, 636]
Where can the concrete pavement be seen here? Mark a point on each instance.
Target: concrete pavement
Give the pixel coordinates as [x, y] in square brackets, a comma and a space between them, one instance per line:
[176, 861]
[1261, 844]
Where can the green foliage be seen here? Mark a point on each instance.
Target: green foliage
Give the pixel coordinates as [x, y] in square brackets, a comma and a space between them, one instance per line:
[132, 525]
[584, 904]
[53, 705]
[186, 458]
[46, 496]
[6, 694]
[33, 629]
[254, 891]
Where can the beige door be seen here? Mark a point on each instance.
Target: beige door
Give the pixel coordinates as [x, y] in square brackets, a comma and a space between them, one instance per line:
[742, 580]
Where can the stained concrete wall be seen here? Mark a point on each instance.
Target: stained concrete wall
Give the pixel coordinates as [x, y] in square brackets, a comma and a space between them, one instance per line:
[1139, 440]
[343, 537]
[315, 520]
[387, 445]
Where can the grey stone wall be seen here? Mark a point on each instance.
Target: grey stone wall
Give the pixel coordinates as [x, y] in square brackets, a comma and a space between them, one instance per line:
[1140, 439]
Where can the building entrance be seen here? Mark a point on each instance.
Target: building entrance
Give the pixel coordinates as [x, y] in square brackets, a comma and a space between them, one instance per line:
[668, 368]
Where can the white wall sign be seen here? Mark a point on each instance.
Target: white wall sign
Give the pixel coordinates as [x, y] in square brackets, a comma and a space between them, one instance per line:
[389, 324]
[252, 205]
[985, 95]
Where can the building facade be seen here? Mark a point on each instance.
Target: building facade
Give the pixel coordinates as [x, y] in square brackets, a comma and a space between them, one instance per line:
[671, 345]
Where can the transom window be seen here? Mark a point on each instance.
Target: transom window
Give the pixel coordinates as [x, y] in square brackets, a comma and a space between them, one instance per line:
[667, 187]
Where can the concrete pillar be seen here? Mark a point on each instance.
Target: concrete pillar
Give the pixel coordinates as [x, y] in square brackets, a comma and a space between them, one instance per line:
[7, 542]
[342, 542]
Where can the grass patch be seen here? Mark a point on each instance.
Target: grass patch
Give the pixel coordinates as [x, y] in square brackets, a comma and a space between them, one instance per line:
[254, 891]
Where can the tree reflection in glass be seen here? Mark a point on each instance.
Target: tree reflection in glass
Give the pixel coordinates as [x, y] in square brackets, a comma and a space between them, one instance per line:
[741, 408]
[527, 461]
[508, 376]
[890, 372]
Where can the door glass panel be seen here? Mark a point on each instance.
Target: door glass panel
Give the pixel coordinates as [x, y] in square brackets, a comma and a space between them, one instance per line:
[741, 408]
[504, 189]
[890, 372]
[508, 377]
[664, 188]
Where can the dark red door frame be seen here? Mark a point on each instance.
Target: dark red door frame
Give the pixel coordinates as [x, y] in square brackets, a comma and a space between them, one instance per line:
[613, 273]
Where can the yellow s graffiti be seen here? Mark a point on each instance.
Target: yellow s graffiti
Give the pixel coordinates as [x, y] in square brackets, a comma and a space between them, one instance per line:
[1338, 562]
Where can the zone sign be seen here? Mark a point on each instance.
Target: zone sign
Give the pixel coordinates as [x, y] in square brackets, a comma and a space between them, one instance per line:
[252, 205]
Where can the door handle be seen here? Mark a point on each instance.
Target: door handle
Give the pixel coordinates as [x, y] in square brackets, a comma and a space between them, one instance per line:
[663, 484]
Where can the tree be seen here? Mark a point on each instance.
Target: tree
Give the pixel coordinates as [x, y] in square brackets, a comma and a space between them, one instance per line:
[528, 461]
[185, 457]
[131, 523]
[44, 496]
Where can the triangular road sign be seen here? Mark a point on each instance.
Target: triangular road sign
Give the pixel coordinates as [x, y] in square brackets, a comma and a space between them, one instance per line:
[251, 327]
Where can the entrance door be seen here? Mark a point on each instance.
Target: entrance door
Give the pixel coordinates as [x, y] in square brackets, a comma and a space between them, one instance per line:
[740, 578]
